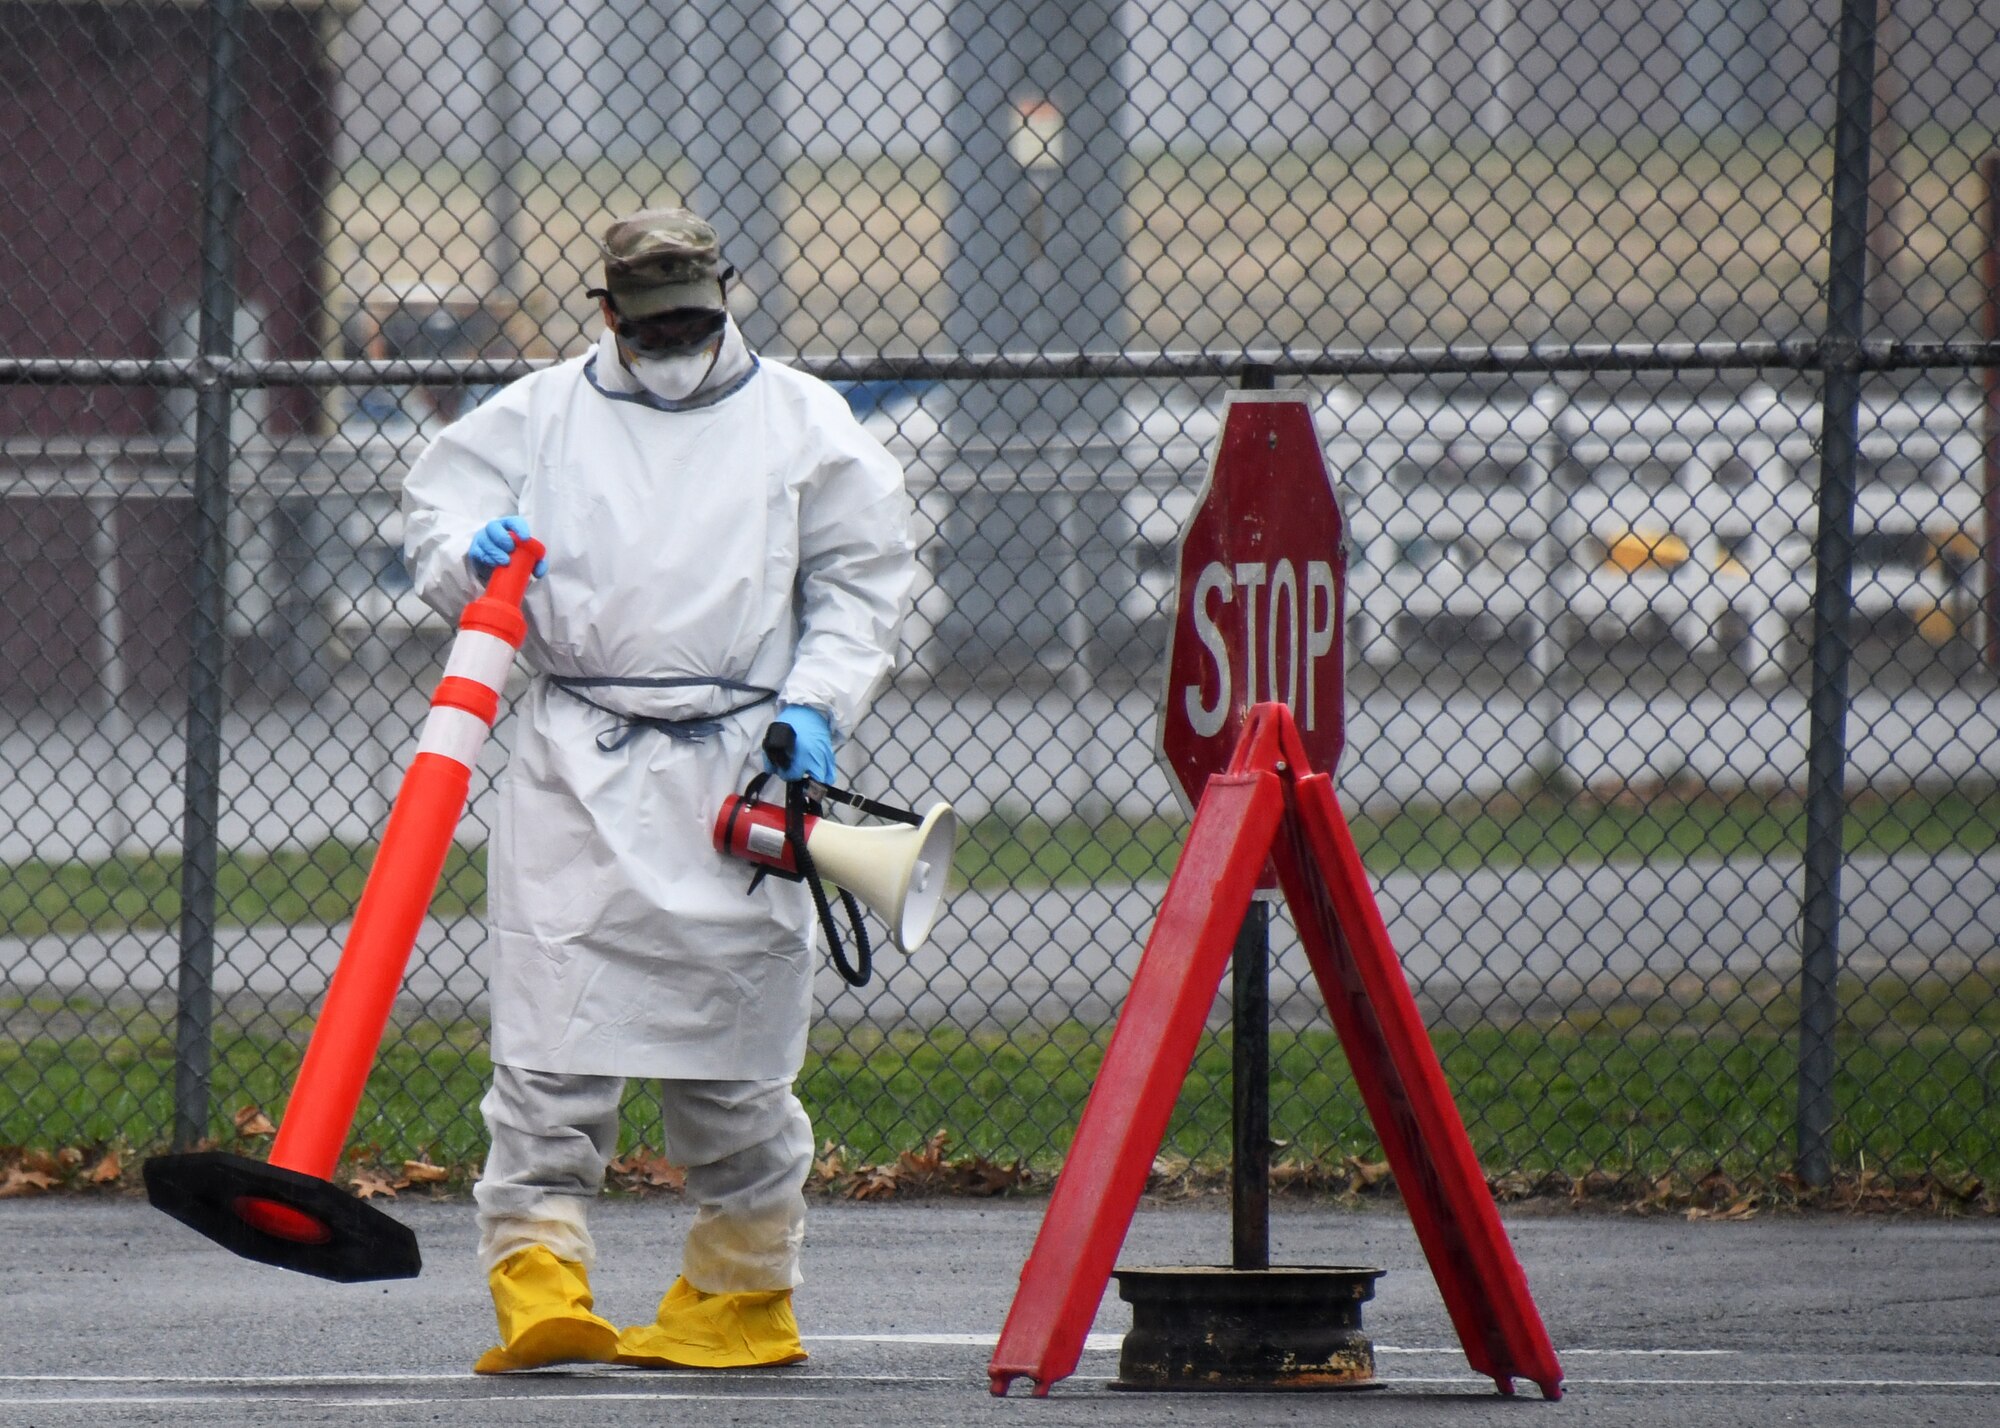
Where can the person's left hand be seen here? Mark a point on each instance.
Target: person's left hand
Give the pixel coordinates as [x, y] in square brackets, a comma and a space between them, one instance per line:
[812, 749]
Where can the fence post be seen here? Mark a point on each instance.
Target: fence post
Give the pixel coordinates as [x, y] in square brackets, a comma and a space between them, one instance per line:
[1833, 570]
[502, 46]
[221, 198]
[1989, 271]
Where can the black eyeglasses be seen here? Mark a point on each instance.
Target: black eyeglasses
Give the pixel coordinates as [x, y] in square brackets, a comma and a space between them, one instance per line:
[667, 334]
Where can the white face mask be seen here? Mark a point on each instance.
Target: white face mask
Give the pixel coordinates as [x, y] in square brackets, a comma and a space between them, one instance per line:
[674, 379]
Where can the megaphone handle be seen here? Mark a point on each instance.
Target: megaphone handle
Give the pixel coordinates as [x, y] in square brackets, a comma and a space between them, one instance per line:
[781, 742]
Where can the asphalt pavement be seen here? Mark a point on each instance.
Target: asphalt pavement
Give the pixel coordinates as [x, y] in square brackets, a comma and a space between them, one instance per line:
[116, 1314]
[79, 784]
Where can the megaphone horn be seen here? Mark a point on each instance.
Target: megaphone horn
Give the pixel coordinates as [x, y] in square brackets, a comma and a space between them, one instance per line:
[897, 871]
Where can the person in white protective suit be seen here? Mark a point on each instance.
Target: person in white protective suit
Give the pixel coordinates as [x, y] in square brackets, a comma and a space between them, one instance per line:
[725, 545]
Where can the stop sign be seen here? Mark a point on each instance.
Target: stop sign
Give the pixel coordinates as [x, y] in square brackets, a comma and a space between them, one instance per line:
[1262, 591]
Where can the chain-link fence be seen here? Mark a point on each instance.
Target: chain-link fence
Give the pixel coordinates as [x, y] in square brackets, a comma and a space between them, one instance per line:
[1651, 344]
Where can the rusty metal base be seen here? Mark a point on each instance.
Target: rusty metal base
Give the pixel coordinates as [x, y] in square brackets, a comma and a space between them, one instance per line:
[1206, 1328]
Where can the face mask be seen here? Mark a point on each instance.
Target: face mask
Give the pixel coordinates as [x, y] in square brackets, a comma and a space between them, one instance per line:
[674, 379]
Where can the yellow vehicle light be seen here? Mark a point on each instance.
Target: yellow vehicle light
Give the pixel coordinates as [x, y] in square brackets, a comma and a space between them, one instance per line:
[1937, 626]
[1639, 550]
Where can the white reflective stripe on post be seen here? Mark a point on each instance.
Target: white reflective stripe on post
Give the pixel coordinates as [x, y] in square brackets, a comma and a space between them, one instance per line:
[480, 657]
[457, 735]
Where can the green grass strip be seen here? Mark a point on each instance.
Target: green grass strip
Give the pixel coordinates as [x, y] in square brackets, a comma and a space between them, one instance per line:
[1534, 1099]
[317, 885]
[1504, 832]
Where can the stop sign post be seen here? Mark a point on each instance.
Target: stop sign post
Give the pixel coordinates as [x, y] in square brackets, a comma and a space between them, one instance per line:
[1262, 593]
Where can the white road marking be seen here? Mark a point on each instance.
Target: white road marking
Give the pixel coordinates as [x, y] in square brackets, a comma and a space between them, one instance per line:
[196, 1399]
[1093, 1343]
[605, 1374]
[1096, 1343]
[1581, 1353]
[1568, 1384]
[235, 1381]
[664, 1395]
[1790, 1382]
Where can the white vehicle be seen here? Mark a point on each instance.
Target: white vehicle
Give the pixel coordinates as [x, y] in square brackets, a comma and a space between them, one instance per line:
[1448, 505]
[1678, 521]
[906, 417]
[1158, 516]
[1918, 514]
[1040, 549]
[382, 431]
[371, 594]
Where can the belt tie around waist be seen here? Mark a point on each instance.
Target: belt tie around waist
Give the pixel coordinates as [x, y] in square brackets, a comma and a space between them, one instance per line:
[687, 731]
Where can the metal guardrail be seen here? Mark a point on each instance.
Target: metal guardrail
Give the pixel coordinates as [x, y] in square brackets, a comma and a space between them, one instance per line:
[1862, 355]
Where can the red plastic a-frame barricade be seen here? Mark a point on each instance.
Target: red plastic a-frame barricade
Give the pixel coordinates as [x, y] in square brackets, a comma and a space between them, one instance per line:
[1269, 806]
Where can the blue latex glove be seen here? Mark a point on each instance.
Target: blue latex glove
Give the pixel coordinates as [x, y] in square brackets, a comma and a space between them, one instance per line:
[812, 757]
[494, 546]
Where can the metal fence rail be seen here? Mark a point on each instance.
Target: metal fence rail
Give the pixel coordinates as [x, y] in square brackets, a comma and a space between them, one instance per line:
[1653, 345]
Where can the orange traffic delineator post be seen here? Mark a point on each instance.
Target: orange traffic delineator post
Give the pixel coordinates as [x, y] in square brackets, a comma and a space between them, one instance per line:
[1269, 805]
[286, 1211]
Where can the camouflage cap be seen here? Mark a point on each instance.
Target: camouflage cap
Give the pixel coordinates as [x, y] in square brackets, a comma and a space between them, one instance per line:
[660, 259]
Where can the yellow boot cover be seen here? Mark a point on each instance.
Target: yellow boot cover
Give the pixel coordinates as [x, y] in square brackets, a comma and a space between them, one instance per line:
[698, 1330]
[543, 1304]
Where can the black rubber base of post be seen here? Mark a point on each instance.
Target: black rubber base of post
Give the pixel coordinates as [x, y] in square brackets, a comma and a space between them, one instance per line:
[203, 1190]
[1206, 1328]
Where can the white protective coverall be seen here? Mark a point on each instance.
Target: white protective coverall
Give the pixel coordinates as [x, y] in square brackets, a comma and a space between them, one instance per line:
[756, 535]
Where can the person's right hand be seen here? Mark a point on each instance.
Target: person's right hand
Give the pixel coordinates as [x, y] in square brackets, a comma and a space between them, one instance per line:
[494, 546]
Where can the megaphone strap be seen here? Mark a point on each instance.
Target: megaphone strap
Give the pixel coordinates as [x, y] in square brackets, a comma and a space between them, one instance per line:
[857, 972]
[869, 806]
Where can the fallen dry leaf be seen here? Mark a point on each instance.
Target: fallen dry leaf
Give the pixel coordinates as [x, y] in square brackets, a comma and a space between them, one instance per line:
[660, 1173]
[1742, 1209]
[42, 1163]
[251, 1121]
[1309, 1177]
[21, 1181]
[422, 1172]
[876, 1184]
[928, 1161]
[1596, 1184]
[1366, 1174]
[1664, 1193]
[370, 1183]
[1715, 1189]
[108, 1169]
[981, 1176]
[641, 1168]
